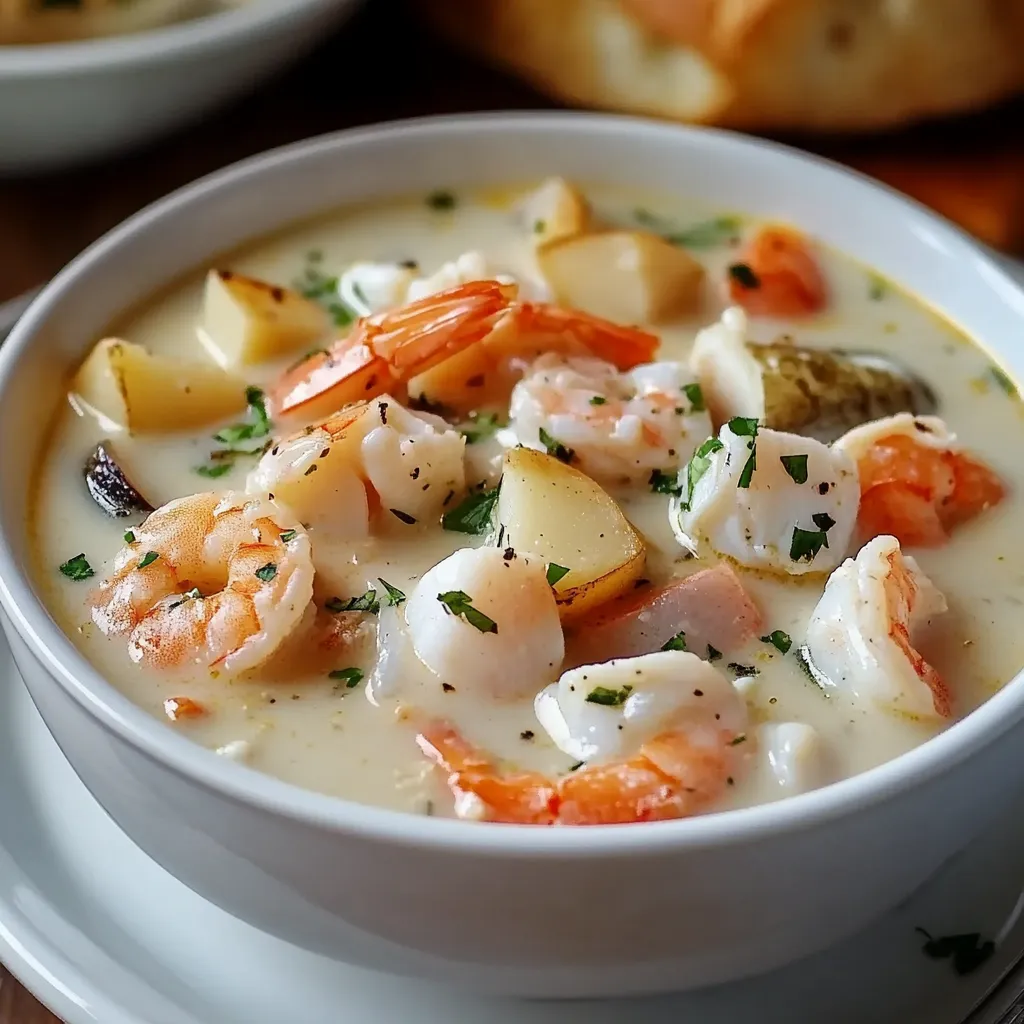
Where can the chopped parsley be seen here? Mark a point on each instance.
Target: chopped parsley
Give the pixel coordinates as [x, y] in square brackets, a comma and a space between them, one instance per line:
[968, 951]
[349, 676]
[403, 517]
[215, 470]
[744, 276]
[695, 395]
[129, 536]
[877, 287]
[257, 424]
[266, 572]
[288, 535]
[779, 640]
[664, 483]
[441, 199]
[459, 603]
[322, 289]
[77, 568]
[796, 467]
[706, 234]
[394, 595]
[608, 696]
[999, 375]
[556, 448]
[555, 573]
[713, 653]
[746, 426]
[473, 515]
[539, 226]
[806, 544]
[598, 400]
[148, 559]
[742, 670]
[737, 740]
[823, 521]
[675, 643]
[367, 602]
[480, 427]
[698, 465]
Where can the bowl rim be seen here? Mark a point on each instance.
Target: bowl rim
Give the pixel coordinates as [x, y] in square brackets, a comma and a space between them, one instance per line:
[151, 738]
[162, 44]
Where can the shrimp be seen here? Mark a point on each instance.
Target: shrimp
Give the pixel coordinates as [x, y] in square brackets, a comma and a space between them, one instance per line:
[487, 618]
[620, 427]
[385, 351]
[861, 636]
[915, 482]
[219, 580]
[779, 277]
[682, 720]
[370, 456]
[768, 499]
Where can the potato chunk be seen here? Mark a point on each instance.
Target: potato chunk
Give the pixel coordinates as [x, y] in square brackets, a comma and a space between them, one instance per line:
[246, 320]
[556, 210]
[555, 512]
[626, 276]
[142, 392]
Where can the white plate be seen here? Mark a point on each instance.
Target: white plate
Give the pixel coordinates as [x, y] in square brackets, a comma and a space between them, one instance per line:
[99, 933]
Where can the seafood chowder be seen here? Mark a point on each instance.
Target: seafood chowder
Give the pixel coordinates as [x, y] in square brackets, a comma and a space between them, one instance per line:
[540, 508]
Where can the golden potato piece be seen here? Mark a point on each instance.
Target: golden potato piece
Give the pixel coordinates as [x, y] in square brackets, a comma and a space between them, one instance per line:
[248, 321]
[142, 392]
[629, 277]
[554, 512]
[555, 210]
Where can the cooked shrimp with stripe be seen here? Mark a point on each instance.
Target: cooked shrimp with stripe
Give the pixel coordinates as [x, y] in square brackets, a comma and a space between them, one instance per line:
[544, 505]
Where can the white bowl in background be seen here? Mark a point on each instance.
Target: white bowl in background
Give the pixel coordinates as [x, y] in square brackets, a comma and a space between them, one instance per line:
[63, 103]
[516, 909]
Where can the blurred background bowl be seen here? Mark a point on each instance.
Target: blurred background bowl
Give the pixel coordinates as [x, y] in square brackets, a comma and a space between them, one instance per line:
[65, 103]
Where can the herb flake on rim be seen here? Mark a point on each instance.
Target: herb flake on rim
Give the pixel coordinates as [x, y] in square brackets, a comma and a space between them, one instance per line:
[609, 696]
[473, 515]
[459, 604]
[556, 448]
[779, 639]
[394, 595]
[675, 643]
[555, 573]
[1003, 380]
[796, 467]
[349, 676]
[77, 568]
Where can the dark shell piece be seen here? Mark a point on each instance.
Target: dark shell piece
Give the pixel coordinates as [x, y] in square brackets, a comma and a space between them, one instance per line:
[110, 487]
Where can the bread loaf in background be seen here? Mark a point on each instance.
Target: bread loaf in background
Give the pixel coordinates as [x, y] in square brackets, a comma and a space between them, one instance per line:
[766, 65]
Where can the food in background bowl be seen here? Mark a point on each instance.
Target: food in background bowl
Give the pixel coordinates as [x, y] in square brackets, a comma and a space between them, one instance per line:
[611, 506]
[36, 21]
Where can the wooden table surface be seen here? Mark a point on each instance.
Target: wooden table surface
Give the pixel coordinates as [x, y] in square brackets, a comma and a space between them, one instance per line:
[386, 65]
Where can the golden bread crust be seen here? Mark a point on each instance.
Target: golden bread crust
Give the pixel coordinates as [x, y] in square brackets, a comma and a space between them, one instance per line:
[823, 65]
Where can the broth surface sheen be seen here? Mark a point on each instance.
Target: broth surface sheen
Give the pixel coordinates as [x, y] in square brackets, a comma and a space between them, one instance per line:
[321, 734]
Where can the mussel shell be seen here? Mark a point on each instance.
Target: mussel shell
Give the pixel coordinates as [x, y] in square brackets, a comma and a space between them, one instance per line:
[110, 487]
[823, 393]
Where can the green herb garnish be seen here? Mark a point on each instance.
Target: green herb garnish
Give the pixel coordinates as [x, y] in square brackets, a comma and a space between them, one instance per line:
[698, 465]
[215, 470]
[129, 536]
[458, 603]
[695, 395]
[148, 559]
[742, 670]
[707, 234]
[539, 226]
[480, 427]
[322, 289]
[664, 483]
[795, 466]
[823, 521]
[349, 676]
[676, 643]
[441, 200]
[806, 544]
[77, 568]
[266, 572]
[610, 697]
[367, 602]
[746, 426]
[744, 276]
[737, 740]
[257, 425]
[598, 400]
[999, 375]
[556, 448]
[473, 515]
[968, 951]
[713, 653]
[555, 573]
[394, 595]
[288, 535]
[779, 640]
[877, 287]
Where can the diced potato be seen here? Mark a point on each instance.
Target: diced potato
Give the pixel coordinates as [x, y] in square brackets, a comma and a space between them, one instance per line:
[247, 321]
[629, 277]
[555, 210]
[143, 392]
[556, 513]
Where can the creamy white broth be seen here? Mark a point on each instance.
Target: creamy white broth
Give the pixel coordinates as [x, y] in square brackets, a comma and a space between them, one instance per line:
[327, 737]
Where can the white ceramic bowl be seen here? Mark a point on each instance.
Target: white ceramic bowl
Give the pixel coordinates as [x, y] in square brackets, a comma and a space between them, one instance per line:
[69, 102]
[607, 910]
